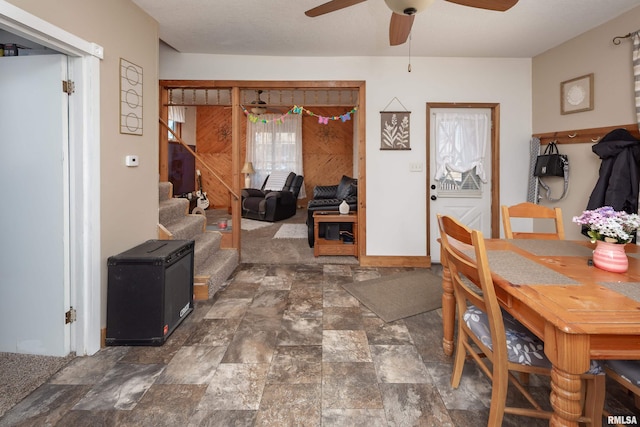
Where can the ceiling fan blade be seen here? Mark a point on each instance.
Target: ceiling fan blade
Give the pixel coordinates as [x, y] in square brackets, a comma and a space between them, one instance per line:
[399, 28]
[331, 6]
[498, 5]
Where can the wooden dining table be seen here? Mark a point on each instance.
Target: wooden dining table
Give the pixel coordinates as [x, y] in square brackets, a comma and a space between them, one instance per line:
[580, 311]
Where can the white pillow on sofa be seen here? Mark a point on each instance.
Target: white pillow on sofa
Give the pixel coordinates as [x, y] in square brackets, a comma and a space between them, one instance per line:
[276, 181]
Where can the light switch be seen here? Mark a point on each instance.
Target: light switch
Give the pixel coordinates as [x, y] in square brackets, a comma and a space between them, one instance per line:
[415, 167]
[131, 160]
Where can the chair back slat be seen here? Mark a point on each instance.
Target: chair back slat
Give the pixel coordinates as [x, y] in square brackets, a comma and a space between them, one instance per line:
[533, 211]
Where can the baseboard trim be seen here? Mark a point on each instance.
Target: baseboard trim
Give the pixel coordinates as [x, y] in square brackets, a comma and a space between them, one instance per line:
[395, 261]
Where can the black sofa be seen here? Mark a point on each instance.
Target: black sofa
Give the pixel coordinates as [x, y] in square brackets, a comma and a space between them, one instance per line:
[266, 205]
[329, 197]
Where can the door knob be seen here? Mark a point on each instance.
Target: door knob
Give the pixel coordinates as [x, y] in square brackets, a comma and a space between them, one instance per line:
[434, 197]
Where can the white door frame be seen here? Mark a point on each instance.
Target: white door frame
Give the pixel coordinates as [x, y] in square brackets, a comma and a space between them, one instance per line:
[84, 168]
[495, 164]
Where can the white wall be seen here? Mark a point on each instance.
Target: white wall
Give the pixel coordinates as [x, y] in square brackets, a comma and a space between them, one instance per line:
[396, 197]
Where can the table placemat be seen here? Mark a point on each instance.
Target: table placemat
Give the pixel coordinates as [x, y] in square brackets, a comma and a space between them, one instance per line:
[628, 289]
[540, 247]
[519, 270]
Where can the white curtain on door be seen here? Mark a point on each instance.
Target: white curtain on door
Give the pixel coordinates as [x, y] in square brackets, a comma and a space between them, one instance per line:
[274, 143]
[463, 139]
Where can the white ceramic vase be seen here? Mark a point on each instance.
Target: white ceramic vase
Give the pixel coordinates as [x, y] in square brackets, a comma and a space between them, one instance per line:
[344, 207]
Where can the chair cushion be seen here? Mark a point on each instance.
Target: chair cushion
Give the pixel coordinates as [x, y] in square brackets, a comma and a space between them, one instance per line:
[627, 369]
[347, 187]
[254, 204]
[276, 181]
[523, 346]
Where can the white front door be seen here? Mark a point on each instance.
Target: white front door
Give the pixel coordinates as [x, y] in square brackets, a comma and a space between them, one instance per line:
[34, 219]
[463, 195]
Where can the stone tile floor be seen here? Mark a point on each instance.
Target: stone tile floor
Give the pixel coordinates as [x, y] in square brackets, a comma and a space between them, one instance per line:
[281, 345]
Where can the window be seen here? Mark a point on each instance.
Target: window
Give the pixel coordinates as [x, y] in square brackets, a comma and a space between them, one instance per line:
[274, 143]
[176, 127]
[462, 139]
[460, 184]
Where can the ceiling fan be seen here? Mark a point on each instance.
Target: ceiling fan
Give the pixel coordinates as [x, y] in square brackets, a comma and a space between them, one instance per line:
[403, 12]
[258, 106]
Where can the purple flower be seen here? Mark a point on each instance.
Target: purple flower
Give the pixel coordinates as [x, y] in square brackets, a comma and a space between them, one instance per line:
[607, 224]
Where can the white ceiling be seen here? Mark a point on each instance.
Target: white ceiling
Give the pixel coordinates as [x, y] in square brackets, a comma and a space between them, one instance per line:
[280, 27]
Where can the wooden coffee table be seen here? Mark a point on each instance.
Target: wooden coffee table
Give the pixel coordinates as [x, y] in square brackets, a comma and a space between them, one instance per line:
[324, 246]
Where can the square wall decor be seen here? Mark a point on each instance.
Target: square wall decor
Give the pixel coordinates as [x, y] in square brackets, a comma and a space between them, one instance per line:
[394, 130]
[576, 95]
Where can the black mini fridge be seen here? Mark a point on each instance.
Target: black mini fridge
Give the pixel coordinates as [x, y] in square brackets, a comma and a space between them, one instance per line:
[150, 292]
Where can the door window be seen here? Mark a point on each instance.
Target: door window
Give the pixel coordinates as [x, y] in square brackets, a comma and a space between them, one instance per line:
[460, 156]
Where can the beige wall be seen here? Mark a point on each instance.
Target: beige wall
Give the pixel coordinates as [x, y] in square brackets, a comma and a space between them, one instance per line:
[591, 52]
[128, 196]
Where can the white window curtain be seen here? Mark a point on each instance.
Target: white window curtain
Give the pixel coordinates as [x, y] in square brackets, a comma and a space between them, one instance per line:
[274, 143]
[462, 143]
[177, 114]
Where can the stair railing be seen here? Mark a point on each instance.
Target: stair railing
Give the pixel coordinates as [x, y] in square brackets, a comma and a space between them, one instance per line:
[194, 154]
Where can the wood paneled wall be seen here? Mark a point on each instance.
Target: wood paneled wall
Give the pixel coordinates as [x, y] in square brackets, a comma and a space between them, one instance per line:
[327, 149]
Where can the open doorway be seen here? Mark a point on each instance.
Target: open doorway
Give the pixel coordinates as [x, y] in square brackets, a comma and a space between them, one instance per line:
[229, 98]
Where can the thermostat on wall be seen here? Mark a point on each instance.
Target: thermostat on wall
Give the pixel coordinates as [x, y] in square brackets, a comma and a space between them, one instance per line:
[131, 160]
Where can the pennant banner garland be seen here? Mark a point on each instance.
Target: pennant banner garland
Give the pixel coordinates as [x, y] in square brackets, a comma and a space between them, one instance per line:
[299, 110]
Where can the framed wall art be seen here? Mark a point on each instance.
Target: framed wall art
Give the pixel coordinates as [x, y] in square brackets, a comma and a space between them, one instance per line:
[394, 130]
[576, 95]
[130, 98]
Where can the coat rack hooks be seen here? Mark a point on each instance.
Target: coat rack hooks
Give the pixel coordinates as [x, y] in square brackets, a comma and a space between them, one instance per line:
[618, 39]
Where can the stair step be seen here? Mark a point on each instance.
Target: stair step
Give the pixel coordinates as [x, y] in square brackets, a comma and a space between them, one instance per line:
[171, 210]
[188, 227]
[205, 244]
[217, 269]
[165, 191]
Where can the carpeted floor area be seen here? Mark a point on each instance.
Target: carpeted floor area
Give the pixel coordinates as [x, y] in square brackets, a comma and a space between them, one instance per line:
[262, 246]
[20, 374]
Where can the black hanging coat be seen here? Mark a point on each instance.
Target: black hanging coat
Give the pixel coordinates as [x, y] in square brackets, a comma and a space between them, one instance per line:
[617, 185]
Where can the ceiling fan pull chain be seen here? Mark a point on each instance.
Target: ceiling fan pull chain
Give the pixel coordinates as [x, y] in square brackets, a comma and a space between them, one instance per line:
[409, 67]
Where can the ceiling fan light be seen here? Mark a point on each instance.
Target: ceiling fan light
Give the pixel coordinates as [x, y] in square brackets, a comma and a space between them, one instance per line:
[259, 104]
[408, 7]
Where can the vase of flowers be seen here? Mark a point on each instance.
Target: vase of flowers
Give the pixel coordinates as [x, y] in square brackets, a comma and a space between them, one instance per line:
[610, 230]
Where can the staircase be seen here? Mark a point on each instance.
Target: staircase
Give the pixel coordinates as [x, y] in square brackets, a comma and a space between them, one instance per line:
[213, 265]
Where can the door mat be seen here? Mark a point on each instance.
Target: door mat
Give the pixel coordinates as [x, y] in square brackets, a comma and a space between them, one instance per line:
[399, 295]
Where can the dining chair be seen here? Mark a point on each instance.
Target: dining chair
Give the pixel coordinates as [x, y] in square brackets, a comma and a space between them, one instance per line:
[531, 210]
[627, 374]
[497, 342]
